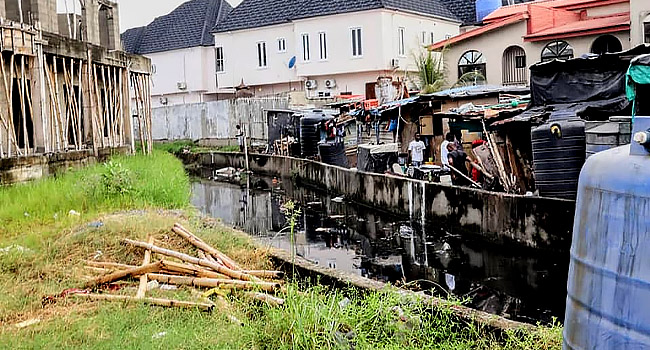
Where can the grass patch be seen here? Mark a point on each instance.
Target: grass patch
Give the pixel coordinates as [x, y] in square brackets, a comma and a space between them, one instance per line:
[176, 147]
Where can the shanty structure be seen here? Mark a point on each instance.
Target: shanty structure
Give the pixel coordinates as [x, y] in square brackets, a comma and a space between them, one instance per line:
[65, 84]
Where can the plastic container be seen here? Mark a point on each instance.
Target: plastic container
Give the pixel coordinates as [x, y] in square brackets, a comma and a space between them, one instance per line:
[602, 136]
[333, 153]
[559, 151]
[310, 133]
[608, 302]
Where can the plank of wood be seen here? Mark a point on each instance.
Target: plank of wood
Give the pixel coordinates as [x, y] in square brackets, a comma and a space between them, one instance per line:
[200, 244]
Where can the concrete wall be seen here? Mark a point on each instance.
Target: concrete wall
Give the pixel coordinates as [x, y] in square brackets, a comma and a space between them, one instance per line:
[214, 120]
[639, 13]
[493, 45]
[23, 169]
[496, 217]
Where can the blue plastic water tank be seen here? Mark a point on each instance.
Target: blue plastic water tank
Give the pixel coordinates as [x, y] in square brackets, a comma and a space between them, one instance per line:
[608, 302]
[485, 7]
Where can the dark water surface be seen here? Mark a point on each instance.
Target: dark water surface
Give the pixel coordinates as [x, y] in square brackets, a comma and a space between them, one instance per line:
[520, 284]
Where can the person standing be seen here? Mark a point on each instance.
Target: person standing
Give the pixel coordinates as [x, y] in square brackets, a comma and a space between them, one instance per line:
[444, 152]
[458, 159]
[240, 138]
[416, 151]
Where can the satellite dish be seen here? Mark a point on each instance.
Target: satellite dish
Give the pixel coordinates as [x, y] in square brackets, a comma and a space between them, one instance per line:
[292, 62]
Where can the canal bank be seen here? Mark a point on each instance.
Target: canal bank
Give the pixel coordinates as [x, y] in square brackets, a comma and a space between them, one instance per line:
[533, 222]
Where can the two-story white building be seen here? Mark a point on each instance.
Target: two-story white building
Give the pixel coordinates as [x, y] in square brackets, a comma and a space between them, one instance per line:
[181, 49]
[325, 48]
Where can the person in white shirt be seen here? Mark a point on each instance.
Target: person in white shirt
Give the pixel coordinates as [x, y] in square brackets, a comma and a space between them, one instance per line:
[444, 152]
[416, 151]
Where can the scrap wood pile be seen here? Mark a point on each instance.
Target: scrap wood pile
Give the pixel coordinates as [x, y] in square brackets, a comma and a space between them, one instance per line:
[210, 269]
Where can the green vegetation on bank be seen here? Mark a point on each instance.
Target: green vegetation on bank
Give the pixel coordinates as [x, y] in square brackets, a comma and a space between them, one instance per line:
[44, 249]
[175, 147]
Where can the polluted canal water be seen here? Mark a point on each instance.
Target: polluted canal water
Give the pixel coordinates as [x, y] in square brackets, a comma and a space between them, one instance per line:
[520, 284]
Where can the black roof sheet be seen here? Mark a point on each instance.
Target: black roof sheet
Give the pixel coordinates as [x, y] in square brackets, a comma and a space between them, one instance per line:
[260, 13]
[465, 10]
[189, 25]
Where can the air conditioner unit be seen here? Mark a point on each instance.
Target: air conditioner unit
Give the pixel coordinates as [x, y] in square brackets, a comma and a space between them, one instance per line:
[311, 84]
[394, 63]
[181, 85]
[330, 83]
[164, 101]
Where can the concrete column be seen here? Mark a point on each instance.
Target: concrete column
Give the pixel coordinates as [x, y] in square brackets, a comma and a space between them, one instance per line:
[44, 11]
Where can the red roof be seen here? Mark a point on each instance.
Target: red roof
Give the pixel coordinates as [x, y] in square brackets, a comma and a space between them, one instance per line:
[506, 11]
[549, 19]
[478, 31]
[600, 25]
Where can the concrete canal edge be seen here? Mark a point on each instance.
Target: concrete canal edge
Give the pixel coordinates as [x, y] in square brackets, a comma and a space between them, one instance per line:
[534, 222]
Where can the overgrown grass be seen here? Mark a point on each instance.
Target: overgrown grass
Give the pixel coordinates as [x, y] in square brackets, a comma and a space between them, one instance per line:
[158, 181]
[175, 147]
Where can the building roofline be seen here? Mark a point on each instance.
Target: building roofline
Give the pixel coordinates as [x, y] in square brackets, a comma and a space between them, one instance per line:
[479, 31]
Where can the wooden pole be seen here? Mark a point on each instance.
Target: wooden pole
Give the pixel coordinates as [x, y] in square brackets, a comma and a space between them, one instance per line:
[100, 114]
[23, 110]
[138, 102]
[91, 99]
[143, 279]
[265, 274]
[110, 265]
[56, 109]
[9, 96]
[186, 269]
[214, 283]
[64, 126]
[198, 243]
[192, 260]
[155, 267]
[81, 137]
[70, 108]
[150, 301]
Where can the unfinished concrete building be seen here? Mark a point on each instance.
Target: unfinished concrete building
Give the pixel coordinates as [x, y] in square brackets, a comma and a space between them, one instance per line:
[66, 86]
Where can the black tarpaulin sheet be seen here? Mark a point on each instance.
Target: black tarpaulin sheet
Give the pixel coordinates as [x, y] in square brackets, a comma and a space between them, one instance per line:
[597, 81]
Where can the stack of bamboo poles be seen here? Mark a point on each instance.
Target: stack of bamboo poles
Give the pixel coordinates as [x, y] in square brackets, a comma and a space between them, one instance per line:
[141, 85]
[211, 269]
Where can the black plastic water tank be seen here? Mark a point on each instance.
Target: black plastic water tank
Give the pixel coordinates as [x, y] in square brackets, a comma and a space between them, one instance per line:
[559, 154]
[310, 133]
[333, 153]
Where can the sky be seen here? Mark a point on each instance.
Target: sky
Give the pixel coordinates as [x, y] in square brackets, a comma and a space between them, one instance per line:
[136, 13]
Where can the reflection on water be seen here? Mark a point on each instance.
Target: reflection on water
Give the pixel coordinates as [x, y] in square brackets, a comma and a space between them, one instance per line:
[336, 233]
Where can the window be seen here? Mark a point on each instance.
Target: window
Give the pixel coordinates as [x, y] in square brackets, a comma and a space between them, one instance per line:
[322, 36]
[357, 47]
[424, 38]
[218, 56]
[282, 45]
[514, 66]
[400, 42]
[433, 38]
[646, 30]
[606, 43]
[559, 49]
[306, 55]
[472, 66]
[261, 54]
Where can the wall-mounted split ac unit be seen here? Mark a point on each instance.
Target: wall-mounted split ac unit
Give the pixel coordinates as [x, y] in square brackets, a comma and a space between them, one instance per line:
[164, 101]
[181, 85]
[330, 83]
[311, 84]
[394, 63]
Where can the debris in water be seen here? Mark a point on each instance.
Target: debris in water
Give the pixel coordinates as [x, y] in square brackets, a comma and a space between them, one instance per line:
[338, 199]
[337, 217]
[314, 203]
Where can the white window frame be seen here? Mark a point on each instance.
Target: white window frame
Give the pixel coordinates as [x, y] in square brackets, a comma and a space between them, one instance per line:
[357, 46]
[262, 55]
[432, 36]
[424, 37]
[282, 45]
[401, 44]
[306, 47]
[217, 59]
[322, 46]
